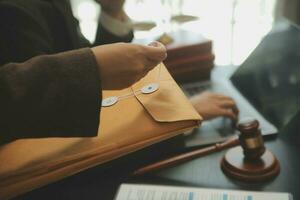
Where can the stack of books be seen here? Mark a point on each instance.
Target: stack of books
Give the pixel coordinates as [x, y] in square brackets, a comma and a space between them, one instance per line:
[190, 57]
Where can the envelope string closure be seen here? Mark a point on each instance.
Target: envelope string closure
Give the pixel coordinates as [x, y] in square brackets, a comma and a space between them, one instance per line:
[147, 89]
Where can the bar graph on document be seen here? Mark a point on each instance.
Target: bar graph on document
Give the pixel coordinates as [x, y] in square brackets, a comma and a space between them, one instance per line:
[155, 192]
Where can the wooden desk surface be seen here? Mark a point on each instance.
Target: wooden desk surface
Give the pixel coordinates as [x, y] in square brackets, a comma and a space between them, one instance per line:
[102, 182]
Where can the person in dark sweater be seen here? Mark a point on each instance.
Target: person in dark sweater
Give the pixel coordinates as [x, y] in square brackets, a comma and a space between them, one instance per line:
[59, 95]
[37, 27]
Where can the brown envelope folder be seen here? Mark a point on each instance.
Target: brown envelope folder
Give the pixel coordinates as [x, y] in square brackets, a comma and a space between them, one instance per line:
[134, 122]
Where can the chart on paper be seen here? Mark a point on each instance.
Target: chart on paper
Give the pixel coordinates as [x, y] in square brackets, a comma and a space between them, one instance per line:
[155, 192]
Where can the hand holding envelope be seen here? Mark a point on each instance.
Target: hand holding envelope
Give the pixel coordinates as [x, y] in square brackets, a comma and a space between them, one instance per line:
[143, 114]
[123, 64]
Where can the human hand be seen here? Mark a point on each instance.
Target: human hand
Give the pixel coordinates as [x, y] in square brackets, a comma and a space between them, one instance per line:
[113, 8]
[122, 64]
[211, 105]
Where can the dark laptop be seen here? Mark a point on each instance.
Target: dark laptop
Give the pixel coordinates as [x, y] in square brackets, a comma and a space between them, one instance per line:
[266, 86]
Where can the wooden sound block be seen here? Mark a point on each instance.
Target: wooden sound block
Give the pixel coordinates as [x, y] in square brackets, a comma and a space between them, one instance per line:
[236, 166]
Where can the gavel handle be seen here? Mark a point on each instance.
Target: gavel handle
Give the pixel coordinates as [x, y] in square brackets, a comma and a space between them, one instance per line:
[187, 156]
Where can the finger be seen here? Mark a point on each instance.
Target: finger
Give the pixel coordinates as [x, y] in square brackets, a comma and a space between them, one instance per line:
[227, 103]
[232, 105]
[156, 51]
[229, 113]
[223, 97]
[142, 75]
[236, 110]
[150, 64]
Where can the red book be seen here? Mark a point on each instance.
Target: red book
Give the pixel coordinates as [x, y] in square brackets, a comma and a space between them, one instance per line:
[191, 68]
[185, 61]
[187, 44]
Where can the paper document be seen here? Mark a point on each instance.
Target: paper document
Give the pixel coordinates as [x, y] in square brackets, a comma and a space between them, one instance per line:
[155, 192]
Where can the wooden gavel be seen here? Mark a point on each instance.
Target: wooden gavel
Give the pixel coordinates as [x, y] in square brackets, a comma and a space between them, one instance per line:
[250, 139]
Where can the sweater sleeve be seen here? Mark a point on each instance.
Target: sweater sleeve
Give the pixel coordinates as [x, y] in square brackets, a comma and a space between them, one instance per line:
[50, 96]
[23, 34]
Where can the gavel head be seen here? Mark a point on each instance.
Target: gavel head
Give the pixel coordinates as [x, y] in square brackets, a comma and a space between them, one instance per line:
[251, 139]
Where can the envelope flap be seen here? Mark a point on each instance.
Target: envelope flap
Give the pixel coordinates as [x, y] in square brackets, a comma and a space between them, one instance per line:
[168, 103]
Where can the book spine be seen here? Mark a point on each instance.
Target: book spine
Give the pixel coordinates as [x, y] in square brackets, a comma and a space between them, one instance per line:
[192, 72]
[191, 50]
[179, 63]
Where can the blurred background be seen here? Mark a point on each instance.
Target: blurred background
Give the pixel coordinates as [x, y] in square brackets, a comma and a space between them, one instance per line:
[234, 26]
